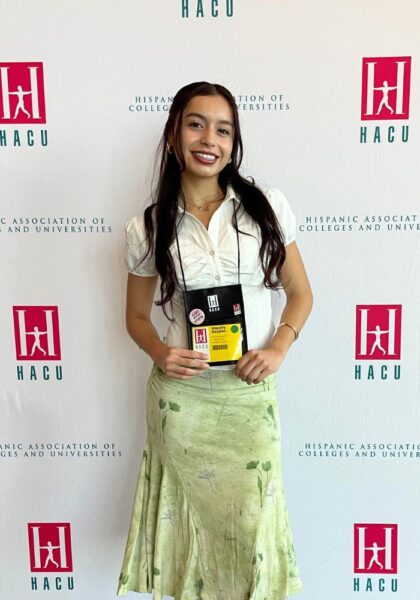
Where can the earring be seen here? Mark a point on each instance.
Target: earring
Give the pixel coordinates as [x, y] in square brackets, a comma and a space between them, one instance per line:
[230, 160]
[169, 148]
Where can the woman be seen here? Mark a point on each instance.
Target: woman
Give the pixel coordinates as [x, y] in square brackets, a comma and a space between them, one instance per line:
[209, 519]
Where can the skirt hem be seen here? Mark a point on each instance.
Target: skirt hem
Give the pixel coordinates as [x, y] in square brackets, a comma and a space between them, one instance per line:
[124, 590]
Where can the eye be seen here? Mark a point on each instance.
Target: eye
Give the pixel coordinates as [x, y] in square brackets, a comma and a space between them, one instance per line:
[224, 131]
[195, 124]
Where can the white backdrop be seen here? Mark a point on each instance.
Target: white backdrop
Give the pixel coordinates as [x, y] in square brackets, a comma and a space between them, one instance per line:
[110, 70]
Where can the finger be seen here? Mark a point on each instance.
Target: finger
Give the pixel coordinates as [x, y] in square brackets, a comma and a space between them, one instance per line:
[243, 373]
[177, 370]
[187, 370]
[265, 373]
[252, 370]
[188, 358]
[242, 363]
[256, 372]
[190, 363]
[192, 354]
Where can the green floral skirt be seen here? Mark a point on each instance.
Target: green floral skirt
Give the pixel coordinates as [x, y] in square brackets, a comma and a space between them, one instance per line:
[210, 520]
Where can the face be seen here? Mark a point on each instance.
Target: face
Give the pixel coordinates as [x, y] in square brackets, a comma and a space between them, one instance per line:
[206, 136]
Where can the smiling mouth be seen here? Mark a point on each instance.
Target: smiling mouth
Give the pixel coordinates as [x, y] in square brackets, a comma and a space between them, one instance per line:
[205, 157]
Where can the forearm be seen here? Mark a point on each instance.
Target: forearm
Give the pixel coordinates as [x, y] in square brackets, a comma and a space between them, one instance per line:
[145, 336]
[296, 311]
[179, 363]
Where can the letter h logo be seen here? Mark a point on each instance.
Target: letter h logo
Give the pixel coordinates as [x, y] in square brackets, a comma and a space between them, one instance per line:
[200, 336]
[378, 331]
[375, 548]
[22, 98]
[37, 335]
[50, 547]
[386, 88]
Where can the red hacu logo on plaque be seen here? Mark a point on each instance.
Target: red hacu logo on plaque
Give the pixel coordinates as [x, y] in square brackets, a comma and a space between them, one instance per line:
[375, 548]
[50, 547]
[37, 334]
[378, 331]
[22, 97]
[386, 88]
[200, 336]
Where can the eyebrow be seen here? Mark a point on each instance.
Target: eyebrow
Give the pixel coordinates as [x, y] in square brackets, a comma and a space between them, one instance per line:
[194, 114]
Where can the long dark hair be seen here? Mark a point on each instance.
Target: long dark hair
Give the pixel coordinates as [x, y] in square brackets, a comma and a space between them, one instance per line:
[160, 217]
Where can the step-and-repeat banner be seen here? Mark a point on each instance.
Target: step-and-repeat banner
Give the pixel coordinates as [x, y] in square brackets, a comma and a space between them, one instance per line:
[329, 100]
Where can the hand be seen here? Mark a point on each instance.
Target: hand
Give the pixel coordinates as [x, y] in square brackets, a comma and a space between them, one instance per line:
[255, 365]
[180, 363]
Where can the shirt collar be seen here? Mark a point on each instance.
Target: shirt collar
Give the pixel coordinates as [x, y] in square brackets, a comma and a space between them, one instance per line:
[231, 194]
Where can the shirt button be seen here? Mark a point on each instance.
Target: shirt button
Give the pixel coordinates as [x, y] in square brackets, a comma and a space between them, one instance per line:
[211, 252]
[217, 277]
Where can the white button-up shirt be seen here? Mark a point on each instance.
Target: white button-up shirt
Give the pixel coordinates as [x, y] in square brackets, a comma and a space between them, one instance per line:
[210, 258]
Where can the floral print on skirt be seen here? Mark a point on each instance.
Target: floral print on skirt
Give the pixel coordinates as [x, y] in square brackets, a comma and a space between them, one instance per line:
[210, 520]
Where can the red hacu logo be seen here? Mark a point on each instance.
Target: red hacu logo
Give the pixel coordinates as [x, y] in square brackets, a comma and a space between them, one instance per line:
[375, 548]
[386, 88]
[378, 331]
[22, 97]
[37, 335]
[200, 336]
[50, 547]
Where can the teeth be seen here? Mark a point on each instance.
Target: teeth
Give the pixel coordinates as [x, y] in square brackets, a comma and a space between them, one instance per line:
[205, 156]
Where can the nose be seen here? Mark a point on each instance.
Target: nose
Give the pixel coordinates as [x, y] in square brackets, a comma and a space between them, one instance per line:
[207, 137]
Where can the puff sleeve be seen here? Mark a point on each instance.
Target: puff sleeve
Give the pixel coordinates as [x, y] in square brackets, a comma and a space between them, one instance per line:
[284, 214]
[136, 249]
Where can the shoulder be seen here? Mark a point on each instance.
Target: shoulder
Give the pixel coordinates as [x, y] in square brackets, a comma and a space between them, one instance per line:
[283, 212]
[276, 198]
[135, 228]
[139, 254]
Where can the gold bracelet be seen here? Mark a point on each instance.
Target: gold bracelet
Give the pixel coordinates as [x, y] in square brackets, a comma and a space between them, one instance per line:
[292, 327]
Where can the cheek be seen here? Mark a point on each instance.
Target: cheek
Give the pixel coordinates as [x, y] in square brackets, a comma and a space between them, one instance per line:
[185, 143]
[228, 150]
[188, 140]
[183, 139]
[229, 145]
[186, 135]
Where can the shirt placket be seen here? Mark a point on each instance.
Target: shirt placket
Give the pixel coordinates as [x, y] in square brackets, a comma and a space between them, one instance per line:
[213, 253]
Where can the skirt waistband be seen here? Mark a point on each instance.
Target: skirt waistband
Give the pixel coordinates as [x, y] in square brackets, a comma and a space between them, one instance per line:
[214, 379]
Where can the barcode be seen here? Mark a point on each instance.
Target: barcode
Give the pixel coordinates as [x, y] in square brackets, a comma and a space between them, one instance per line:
[220, 347]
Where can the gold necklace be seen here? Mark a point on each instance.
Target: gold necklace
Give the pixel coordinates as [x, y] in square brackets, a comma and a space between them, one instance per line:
[206, 207]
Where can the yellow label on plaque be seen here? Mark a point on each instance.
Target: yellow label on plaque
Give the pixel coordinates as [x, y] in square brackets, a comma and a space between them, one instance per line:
[220, 342]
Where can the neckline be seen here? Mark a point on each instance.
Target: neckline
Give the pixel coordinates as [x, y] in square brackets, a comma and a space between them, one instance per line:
[230, 193]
